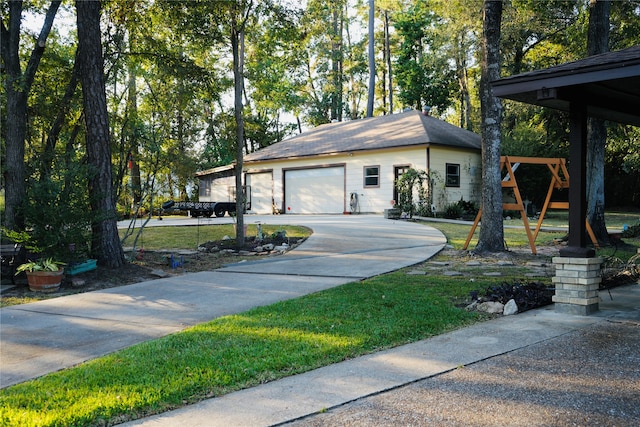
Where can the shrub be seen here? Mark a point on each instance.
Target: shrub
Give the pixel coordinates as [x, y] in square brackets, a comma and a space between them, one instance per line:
[633, 231]
[413, 181]
[461, 209]
[469, 209]
[453, 211]
[57, 218]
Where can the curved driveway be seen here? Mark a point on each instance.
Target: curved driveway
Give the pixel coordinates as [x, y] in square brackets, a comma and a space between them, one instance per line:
[49, 335]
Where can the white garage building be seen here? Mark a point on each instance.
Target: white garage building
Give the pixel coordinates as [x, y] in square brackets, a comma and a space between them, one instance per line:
[321, 170]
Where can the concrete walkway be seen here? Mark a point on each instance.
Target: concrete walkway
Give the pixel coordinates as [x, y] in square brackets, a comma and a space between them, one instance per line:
[50, 335]
[562, 367]
[533, 369]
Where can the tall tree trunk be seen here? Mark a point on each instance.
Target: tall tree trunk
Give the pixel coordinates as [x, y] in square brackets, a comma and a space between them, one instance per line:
[336, 64]
[463, 79]
[105, 242]
[597, 42]
[491, 232]
[387, 44]
[132, 120]
[237, 32]
[352, 93]
[372, 60]
[383, 78]
[17, 87]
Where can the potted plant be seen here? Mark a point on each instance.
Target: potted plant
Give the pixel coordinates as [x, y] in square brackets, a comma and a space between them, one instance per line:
[43, 275]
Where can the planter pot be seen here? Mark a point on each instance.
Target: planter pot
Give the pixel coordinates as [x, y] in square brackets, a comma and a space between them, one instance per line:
[392, 213]
[45, 281]
[81, 267]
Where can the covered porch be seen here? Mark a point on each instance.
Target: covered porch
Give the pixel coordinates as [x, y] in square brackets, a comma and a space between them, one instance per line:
[605, 86]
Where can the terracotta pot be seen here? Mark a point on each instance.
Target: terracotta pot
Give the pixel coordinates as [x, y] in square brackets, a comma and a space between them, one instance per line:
[45, 281]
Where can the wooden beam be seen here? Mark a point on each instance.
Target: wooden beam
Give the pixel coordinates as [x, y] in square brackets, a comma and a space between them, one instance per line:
[578, 192]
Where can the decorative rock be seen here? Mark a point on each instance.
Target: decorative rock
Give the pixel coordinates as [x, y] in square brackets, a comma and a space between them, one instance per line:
[226, 238]
[491, 307]
[209, 246]
[473, 264]
[492, 273]
[186, 252]
[452, 273]
[77, 282]
[417, 273]
[268, 247]
[535, 264]
[259, 249]
[159, 273]
[245, 253]
[504, 263]
[472, 306]
[510, 308]
[281, 248]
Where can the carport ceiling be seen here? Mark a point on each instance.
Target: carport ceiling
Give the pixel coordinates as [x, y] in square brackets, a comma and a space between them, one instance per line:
[608, 84]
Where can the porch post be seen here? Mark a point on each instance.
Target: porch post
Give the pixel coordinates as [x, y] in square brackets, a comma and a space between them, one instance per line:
[577, 184]
[577, 277]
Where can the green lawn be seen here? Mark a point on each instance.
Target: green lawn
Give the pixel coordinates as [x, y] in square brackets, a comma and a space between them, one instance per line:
[253, 347]
[189, 237]
[242, 350]
[560, 218]
[517, 237]
[514, 237]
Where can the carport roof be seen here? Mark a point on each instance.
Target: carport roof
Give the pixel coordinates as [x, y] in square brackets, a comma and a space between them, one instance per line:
[405, 129]
[607, 84]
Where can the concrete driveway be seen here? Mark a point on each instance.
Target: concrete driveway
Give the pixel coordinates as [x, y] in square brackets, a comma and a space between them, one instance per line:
[50, 335]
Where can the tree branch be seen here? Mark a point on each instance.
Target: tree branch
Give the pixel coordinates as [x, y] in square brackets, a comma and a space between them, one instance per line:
[38, 50]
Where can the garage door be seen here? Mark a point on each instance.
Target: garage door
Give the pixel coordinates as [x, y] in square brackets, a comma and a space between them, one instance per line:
[261, 192]
[314, 191]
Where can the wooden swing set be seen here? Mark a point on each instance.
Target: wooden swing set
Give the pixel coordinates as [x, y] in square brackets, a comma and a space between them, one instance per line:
[559, 180]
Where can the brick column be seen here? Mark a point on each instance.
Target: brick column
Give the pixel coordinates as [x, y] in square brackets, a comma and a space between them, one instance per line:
[577, 281]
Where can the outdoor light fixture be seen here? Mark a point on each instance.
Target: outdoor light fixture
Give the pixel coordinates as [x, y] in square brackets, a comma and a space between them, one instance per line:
[547, 93]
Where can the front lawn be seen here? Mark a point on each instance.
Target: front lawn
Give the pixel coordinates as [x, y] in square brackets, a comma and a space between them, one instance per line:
[242, 350]
[266, 343]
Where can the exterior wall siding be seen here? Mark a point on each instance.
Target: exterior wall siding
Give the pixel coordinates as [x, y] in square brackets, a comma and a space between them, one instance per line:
[470, 176]
[371, 199]
[375, 199]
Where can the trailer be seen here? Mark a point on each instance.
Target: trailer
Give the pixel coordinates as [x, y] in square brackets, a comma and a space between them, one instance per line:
[202, 209]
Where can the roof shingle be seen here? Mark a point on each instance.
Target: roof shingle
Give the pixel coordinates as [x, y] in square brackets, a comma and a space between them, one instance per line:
[405, 129]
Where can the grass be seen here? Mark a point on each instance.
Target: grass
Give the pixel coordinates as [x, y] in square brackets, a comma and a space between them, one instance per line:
[250, 348]
[9, 301]
[615, 219]
[514, 237]
[517, 237]
[189, 237]
[242, 350]
[186, 237]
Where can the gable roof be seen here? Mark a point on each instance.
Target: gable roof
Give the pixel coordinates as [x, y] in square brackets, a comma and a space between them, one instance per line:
[410, 128]
[607, 84]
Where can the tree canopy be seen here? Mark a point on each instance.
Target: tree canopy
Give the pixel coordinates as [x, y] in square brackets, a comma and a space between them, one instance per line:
[172, 99]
